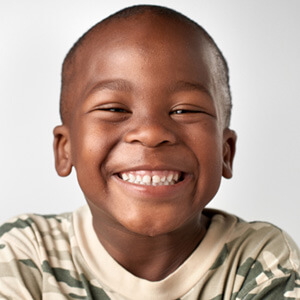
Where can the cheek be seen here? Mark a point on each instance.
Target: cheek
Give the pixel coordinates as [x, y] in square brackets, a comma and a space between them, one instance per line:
[205, 140]
[90, 149]
[91, 143]
[207, 150]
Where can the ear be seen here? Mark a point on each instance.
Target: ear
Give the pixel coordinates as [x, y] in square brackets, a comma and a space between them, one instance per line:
[62, 150]
[229, 144]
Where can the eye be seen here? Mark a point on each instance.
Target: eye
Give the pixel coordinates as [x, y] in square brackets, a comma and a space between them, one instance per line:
[184, 111]
[113, 109]
[188, 113]
[110, 112]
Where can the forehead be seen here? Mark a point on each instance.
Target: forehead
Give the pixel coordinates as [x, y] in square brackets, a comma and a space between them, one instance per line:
[147, 32]
[160, 46]
[148, 24]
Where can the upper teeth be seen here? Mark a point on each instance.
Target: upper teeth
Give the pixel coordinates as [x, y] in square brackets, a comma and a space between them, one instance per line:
[168, 178]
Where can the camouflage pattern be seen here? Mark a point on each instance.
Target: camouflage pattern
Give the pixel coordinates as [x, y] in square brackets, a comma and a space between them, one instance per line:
[43, 257]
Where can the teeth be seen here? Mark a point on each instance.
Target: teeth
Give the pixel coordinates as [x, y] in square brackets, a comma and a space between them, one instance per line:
[176, 177]
[125, 177]
[131, 178]
[169, 179]
[155, 179]
[147, 179]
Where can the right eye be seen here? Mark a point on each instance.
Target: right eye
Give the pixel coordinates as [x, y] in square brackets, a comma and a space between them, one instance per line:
[113, 109]
[111, 112]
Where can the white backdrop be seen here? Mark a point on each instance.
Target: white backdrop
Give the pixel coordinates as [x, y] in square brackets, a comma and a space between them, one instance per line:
[259, 38]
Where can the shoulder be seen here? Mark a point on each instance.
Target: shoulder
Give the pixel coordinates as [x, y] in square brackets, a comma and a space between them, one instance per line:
[36, 256]
[260, 258]
[34, 222]
[30, 231]
[257, 238]
[250, 234]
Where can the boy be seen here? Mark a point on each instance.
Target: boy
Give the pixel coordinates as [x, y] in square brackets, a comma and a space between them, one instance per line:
[145, 107]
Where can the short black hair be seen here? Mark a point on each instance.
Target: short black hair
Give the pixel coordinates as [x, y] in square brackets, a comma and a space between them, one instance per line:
[222, 73]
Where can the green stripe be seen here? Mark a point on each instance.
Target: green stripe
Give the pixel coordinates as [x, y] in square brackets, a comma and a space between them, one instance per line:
[221, 258]
[20, 224]
[29, 263]
[63, 275]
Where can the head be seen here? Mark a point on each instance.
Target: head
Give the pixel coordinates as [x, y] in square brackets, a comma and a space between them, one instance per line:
[145, 99]
[218, 68]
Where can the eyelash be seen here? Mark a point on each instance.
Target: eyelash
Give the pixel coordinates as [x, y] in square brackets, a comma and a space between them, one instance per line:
[175, 112]
[184, 111]
[114, 109]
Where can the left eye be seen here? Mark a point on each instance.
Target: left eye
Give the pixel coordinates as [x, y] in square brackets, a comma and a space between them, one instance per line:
[184, 111]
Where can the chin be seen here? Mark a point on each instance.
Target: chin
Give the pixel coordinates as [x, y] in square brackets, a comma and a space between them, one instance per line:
[152, 227]
[151, 231]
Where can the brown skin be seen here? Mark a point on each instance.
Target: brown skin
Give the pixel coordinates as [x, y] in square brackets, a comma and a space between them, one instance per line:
[157, 78]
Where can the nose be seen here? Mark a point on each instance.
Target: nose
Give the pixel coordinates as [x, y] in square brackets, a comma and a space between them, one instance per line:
[151, 134]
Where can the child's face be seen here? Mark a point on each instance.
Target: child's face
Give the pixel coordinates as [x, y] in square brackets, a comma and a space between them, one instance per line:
[143, 106]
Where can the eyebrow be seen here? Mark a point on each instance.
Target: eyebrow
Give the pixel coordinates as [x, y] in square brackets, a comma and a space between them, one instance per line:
[189, 86]
[125, 86]
[114, 85]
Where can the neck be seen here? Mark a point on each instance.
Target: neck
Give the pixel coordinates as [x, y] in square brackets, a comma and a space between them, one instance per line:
[151, 258]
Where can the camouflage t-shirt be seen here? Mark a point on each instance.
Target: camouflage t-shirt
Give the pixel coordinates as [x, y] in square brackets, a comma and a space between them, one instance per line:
[59, 257]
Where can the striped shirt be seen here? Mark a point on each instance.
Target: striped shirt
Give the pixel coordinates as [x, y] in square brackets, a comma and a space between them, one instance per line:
[60, 257]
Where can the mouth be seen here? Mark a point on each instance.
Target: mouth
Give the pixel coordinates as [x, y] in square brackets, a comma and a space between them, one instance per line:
[152, 178]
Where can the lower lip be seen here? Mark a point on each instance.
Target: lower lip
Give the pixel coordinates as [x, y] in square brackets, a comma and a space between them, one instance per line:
[149, 191]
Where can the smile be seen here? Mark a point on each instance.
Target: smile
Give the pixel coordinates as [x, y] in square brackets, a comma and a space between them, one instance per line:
[153, 178]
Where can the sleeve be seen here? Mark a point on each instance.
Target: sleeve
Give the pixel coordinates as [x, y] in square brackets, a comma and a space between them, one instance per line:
[20, 276]
[273, 275]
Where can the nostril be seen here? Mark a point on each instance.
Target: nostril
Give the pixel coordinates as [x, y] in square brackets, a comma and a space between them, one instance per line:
[151, 136]
[164, 142]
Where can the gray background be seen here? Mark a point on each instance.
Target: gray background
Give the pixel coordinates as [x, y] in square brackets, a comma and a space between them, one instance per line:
[259, 38]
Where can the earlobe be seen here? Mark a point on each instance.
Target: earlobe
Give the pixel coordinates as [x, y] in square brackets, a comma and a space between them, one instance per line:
[229, 145]
[62, 150]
